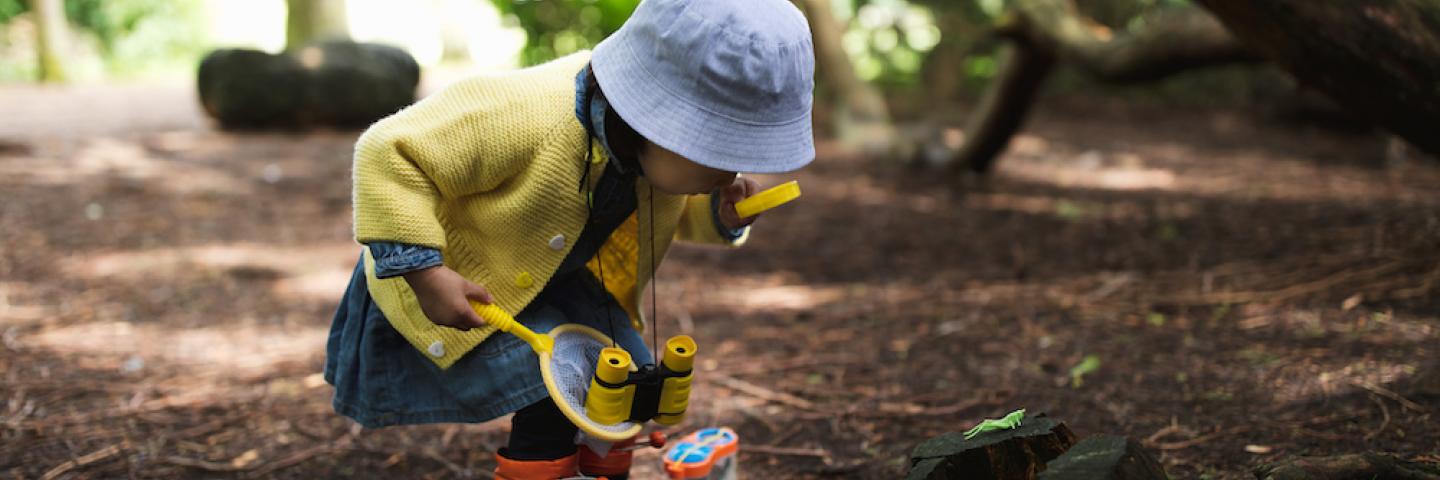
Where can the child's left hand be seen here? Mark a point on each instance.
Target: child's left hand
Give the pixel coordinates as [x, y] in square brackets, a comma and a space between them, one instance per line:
[740, 189]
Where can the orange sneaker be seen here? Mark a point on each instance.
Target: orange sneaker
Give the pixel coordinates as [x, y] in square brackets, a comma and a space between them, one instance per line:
[511, 469]
[615, 465]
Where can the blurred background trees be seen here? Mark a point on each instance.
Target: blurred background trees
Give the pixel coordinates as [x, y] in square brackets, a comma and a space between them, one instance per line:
[308, 21]
[943, 82]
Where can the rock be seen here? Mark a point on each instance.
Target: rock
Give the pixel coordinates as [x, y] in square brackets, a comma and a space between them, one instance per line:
[1105, 457]
[1015, 454]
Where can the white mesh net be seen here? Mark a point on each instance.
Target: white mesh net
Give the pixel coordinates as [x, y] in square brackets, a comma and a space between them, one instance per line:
[572, 363]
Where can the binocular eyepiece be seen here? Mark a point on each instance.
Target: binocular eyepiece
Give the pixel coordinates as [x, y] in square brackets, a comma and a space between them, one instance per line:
[647, 393]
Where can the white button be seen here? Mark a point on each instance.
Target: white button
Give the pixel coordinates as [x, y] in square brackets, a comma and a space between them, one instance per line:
[437, 349]
[557, 242]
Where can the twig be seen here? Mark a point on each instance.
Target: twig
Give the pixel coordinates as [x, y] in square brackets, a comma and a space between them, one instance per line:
[303, 455]
[908, 409]
[206, 427]
[93, 457]
[1384, 392]
[1197, 440]
[205, 464]
[1293, 291]
[459, 471]
[1383, 411]
[1173, 428]
[841, 469]
[761, 392]
[785, 451]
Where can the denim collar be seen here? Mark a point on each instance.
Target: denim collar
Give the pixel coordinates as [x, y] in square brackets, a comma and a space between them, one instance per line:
[592, 116]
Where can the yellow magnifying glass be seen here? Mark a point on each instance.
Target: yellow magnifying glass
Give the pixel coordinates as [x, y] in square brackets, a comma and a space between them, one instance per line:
[770, 198]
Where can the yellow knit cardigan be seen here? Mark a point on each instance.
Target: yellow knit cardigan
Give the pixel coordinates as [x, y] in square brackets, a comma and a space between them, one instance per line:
[488, 171]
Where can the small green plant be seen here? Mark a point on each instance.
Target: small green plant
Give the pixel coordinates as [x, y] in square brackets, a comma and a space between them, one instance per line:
[1088, 365]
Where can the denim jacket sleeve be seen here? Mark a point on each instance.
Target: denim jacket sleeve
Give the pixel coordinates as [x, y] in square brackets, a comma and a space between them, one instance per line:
[726, 233]
[394, 259]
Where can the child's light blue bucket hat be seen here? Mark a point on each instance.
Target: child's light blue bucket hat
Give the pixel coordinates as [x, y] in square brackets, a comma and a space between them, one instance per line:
[727, 84]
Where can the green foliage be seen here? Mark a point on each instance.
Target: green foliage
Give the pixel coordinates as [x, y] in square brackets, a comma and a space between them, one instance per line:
[1088, 365]
[135, 35]
[10, 8]
[132, 36]
[889, 39]
[554, 28]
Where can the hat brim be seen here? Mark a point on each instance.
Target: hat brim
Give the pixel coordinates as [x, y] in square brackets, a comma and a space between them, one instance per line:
[701, 136]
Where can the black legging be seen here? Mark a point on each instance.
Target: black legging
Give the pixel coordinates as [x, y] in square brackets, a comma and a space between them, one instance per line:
[540, 432]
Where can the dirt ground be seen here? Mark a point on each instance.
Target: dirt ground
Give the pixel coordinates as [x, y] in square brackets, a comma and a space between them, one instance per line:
[1250, 290]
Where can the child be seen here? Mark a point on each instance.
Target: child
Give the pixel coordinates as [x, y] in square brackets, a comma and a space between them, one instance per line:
[549, 192]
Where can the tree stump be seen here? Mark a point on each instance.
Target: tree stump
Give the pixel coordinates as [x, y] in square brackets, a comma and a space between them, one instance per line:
[1105, 457]
[1018, 454]
[1363, 466]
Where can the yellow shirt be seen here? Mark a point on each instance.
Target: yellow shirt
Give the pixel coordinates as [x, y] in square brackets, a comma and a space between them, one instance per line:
[488, 171]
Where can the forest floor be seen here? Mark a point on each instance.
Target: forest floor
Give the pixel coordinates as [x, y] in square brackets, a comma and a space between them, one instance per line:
[1250, 290]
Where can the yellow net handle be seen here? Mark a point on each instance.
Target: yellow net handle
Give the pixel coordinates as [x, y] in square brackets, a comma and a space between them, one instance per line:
[502, 321]
[770, 198]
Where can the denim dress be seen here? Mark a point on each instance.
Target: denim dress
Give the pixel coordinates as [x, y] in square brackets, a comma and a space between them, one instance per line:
[380, 379]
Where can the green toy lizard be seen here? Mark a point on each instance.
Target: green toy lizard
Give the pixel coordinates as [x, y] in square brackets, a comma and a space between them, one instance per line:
[1009, 421]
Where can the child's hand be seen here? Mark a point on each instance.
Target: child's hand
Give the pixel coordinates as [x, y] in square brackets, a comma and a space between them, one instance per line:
[741, 189]
[445, 297]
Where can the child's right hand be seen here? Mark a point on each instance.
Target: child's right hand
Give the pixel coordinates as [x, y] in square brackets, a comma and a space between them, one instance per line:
[445, 297]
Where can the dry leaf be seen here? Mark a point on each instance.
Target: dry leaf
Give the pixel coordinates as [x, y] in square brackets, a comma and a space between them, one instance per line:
[245, 458]
[1352, 302]
[1258, 449]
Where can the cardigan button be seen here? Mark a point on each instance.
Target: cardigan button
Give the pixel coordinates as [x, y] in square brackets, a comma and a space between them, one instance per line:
[557, 242]
[523, 280]
[436, 349]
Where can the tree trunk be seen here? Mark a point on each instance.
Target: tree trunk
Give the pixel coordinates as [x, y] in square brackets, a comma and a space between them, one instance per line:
[50, 42]
[1378, 58]
[1172, 40]
[1003, 108]
[862, 117]
[314, 20]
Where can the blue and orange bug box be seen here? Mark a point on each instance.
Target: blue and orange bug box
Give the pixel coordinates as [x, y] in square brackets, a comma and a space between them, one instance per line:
[706, 454]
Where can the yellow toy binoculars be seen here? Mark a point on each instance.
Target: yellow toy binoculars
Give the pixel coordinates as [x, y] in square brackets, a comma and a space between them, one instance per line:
[662, 393]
